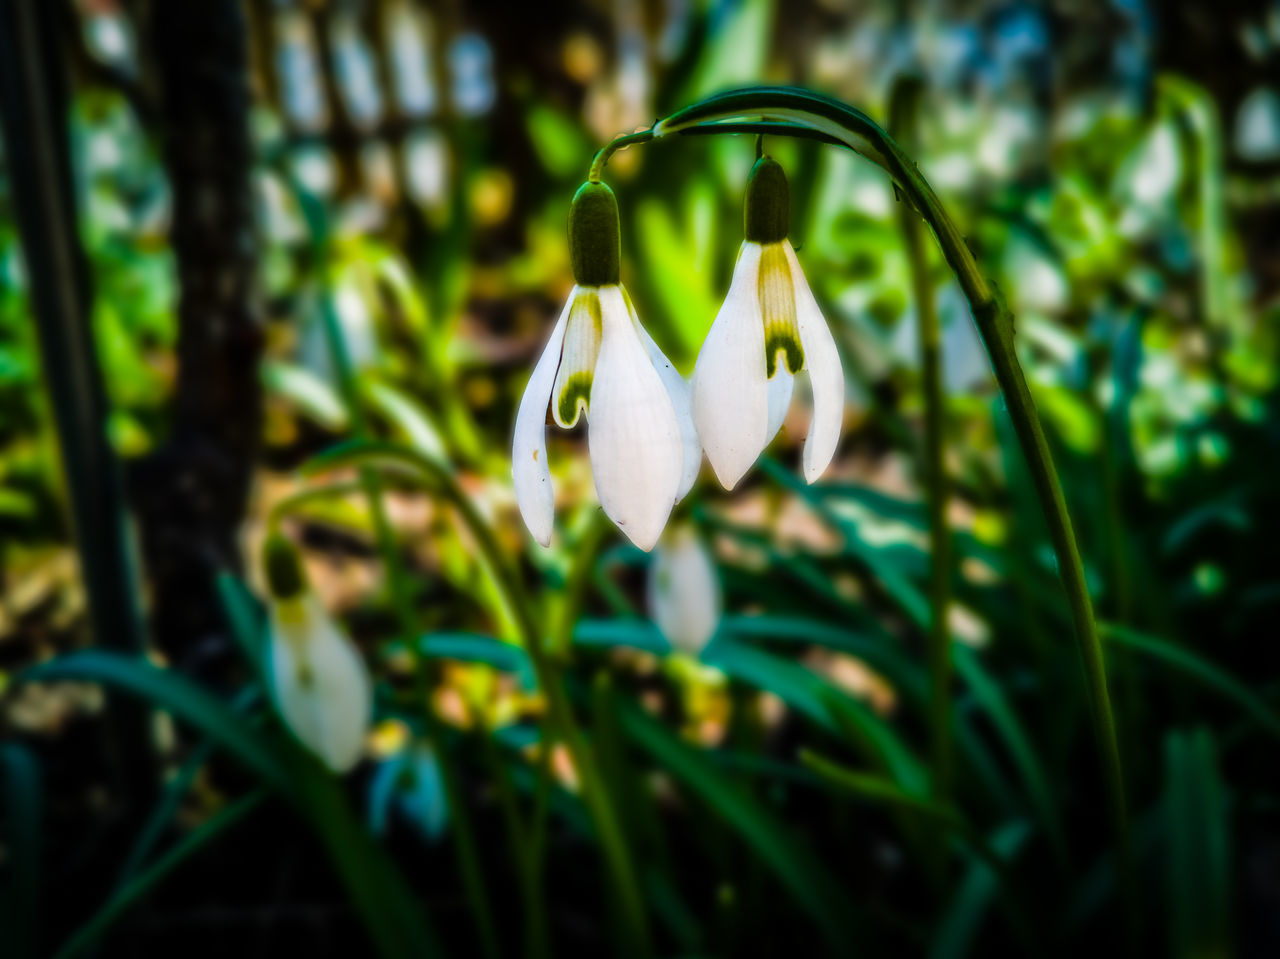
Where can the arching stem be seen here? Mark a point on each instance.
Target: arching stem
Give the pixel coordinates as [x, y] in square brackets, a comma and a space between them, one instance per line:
[798, 112]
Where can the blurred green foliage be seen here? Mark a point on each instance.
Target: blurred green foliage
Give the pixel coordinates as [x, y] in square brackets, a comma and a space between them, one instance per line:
[776, 793]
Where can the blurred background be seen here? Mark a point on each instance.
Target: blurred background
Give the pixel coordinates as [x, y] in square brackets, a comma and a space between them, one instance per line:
[194, 198]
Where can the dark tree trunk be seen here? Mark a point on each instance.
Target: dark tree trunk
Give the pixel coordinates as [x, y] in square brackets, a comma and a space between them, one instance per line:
[192, 494]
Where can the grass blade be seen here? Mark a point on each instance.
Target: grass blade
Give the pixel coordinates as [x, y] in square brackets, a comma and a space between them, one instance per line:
[134, 890]
[186, 700]
[1198, 843]
[974, 896]
[813, 887]
[992, 698]
[1199, 669]
[23, 838]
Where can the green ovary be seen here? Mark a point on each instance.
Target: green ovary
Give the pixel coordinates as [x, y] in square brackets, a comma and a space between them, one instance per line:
[778, 310]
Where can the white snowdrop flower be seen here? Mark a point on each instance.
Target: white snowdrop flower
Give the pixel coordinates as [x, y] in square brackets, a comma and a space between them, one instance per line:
[684, 591]
[1257, 128]
[319, 684]
[602, 363]
[769, 329]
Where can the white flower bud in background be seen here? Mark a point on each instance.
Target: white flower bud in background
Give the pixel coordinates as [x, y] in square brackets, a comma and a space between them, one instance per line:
[684, 591]
[319, 684]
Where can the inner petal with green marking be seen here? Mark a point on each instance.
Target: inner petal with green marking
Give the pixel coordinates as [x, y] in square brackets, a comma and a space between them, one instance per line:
[571, 395]
[778, 307]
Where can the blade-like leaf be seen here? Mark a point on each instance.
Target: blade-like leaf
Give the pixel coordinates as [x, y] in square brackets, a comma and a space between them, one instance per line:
[813, 887]
[21, 789]
[1199, 669]
[963, 919]
[135, 889]
[1025, 758]
[1198, 843]
[186, 700]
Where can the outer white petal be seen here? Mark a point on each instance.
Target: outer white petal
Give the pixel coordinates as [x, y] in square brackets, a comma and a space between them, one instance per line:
[826, 377]
[529, 470]
[634, 436]
[780, 389]
[684, 591]
[682, 402]
[320, 684]
[730, 390]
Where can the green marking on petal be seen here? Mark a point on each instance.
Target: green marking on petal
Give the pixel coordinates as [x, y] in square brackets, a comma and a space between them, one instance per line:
[789, 347]
[778, 309]
[573, 399]
[571, 394]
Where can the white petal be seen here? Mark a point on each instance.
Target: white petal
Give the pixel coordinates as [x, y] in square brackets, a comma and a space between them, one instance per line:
[780, 389]
[826, 378]
[529, 469]
[320, 684]
[681, 401]
[684, 591]
[730, 390]
[634, 436]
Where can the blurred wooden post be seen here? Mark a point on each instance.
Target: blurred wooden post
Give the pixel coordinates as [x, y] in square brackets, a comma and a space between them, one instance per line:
[191, 495]
[33, 103]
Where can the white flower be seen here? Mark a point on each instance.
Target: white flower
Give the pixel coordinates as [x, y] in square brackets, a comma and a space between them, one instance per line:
[769, 328]
[684, 591]
[319, 683]
[601, 362]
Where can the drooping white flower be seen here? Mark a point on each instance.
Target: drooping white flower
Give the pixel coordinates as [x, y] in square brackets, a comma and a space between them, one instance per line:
[684, 591]
[769, 329]
[319, 683]
[600, 361]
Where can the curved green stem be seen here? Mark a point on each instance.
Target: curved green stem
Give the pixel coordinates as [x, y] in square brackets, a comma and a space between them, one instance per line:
[560, 712]
[860, 133]
[903, 118]
[398, 581]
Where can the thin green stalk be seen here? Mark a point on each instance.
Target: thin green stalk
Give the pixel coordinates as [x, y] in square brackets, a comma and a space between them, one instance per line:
[560, 711]
[402, 599]
[903, 119]
[564, 727]
[34, 113]
[783, 105]
[92, 931]
[537, 944]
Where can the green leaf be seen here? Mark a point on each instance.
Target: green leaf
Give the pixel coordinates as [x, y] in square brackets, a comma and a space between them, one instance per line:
[814, 888]
[558, 140]
[16, 503]
[480, 649]
[22, 791]
[245, 617]
[187, 701]
[1197, 668]
[683, 291]
[407, 415]
[964, 917]
[135, 889]
[394, 919]
[312, 395]
[878, 789]
[1198, 870]
[636, 633]
[992, 699]
[814, 697]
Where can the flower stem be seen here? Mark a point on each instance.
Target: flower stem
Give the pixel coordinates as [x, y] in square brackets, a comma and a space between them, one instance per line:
[857, 131]
[400, 590]
[564, 727]
[903, 111]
